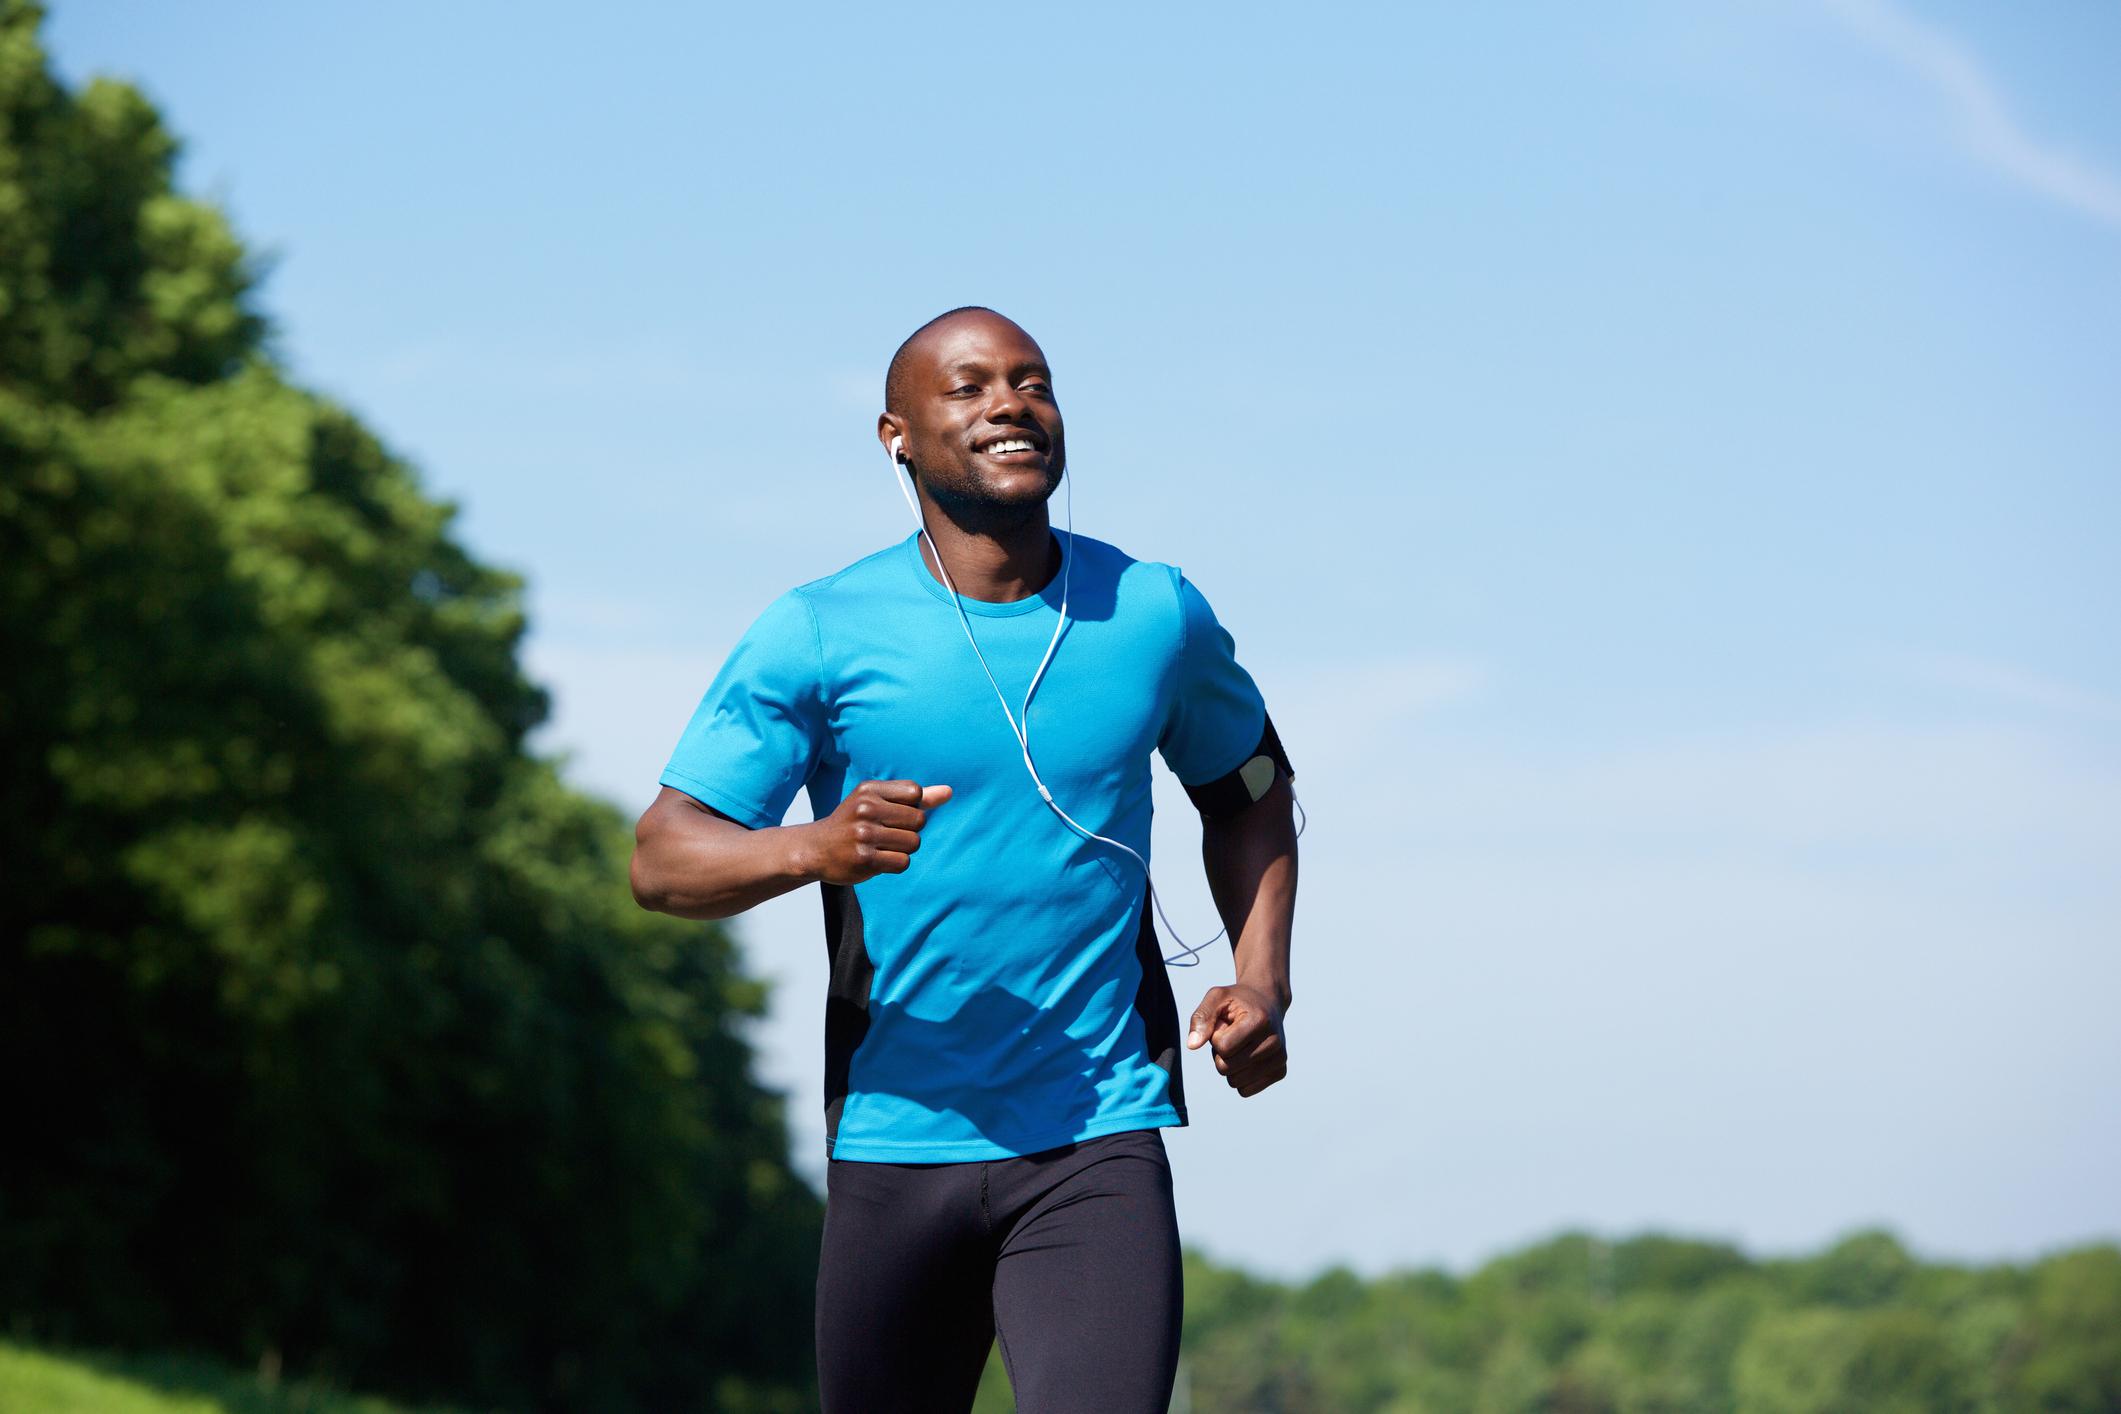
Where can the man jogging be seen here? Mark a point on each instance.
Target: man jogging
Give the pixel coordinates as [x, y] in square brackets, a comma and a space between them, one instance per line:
[1002, 1044]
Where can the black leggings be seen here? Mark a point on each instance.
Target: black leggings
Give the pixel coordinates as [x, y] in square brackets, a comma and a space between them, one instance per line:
[1070, 1255]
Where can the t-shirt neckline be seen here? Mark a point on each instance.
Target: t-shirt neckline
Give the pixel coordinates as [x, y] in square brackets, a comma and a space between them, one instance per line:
[1049, 597]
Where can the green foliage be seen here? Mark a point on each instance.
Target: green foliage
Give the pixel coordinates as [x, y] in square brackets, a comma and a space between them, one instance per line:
[2066, 1355]
[1817, 1359]
[96, 1382]
[338, 1035]
[1657, 1325]
[1868, 1268]
[105, 273]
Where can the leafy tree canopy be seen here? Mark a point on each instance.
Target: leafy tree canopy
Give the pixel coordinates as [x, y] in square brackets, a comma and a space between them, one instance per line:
[336, 1032]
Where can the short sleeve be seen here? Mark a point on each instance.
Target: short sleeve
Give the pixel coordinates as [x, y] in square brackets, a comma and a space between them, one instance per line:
[757, 733]
[1216, 724]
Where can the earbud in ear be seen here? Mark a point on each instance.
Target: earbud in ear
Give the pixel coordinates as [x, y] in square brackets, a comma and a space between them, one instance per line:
[898, 450]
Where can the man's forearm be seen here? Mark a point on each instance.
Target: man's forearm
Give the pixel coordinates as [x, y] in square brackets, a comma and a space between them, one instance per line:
[715, 868]
[696, 862]
[1251, 865]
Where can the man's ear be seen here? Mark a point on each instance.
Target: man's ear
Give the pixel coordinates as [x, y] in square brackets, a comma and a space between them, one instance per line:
[888, 426]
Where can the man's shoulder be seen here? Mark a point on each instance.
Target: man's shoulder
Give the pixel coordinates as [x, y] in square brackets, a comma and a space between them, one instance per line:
[1144, 599]
[1154, 577]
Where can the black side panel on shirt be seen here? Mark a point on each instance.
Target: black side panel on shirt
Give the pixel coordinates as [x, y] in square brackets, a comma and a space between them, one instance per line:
[1159, 1009]
[1229, 793]
[846, 997]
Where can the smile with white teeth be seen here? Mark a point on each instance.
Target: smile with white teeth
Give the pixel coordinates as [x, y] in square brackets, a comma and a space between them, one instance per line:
[1008, 444]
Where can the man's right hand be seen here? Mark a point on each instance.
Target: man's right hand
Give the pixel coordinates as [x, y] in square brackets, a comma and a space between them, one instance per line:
[874, 831]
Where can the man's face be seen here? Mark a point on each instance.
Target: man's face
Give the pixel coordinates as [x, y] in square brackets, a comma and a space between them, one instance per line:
[981, 425]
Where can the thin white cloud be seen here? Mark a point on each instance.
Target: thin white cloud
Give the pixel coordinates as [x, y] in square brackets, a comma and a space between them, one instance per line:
[1986, 128]
[2003, 682]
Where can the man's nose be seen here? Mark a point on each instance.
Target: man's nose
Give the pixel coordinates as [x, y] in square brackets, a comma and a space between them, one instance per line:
[1008, 405]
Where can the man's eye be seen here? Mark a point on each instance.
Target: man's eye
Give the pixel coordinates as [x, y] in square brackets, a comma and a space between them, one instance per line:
[964, 388]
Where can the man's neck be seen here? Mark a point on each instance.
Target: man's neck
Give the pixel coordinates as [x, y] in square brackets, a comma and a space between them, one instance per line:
[997, 564]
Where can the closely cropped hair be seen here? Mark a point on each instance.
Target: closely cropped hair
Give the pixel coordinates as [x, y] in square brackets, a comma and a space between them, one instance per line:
[895, 376]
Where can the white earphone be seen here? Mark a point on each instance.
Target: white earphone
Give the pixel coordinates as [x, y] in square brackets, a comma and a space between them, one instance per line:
[1023, 740]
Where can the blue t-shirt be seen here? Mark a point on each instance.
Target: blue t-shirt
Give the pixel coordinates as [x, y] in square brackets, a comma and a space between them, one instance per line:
[1006, 993]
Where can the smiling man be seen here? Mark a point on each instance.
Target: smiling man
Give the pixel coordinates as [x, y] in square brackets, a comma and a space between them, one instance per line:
[1001, 1039]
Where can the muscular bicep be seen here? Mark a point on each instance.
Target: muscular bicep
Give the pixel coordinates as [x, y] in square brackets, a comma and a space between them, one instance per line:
[673, 811]
[693, 860]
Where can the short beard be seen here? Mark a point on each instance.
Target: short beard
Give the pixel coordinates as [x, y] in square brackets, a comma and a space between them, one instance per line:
[977, 515]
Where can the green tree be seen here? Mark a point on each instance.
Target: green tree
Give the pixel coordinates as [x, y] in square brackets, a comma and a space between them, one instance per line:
[2066, 1355]
[1867, 1268]
[1823, 1361]
[1513, 1379]
[332, 1028]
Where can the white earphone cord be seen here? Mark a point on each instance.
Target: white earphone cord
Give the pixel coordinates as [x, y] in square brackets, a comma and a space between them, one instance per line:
[1022, 732]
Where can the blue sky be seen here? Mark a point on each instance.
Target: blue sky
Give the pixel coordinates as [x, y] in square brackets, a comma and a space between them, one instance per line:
[1660, 462]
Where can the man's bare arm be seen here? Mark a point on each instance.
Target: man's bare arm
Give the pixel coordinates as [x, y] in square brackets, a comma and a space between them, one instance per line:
[693, 861]
[1251, 863]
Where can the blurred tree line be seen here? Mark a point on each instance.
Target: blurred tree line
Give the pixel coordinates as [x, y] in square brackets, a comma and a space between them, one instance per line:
[1658, 1325]
[330, 1031]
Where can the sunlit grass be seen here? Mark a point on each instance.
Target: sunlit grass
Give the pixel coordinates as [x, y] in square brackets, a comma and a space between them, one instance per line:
[35, 1381]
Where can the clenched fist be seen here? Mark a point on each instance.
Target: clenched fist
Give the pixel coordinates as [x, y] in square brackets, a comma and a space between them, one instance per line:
[1244, 1027]
[874, 831]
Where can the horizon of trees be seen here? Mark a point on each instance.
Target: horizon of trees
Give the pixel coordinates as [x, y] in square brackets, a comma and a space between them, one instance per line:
[1654, 1324]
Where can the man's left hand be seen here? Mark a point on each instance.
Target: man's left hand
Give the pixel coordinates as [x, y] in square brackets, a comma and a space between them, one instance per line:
[1243, 1025]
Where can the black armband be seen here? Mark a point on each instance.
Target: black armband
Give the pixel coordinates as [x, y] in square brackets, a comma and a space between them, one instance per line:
[1232, 791]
